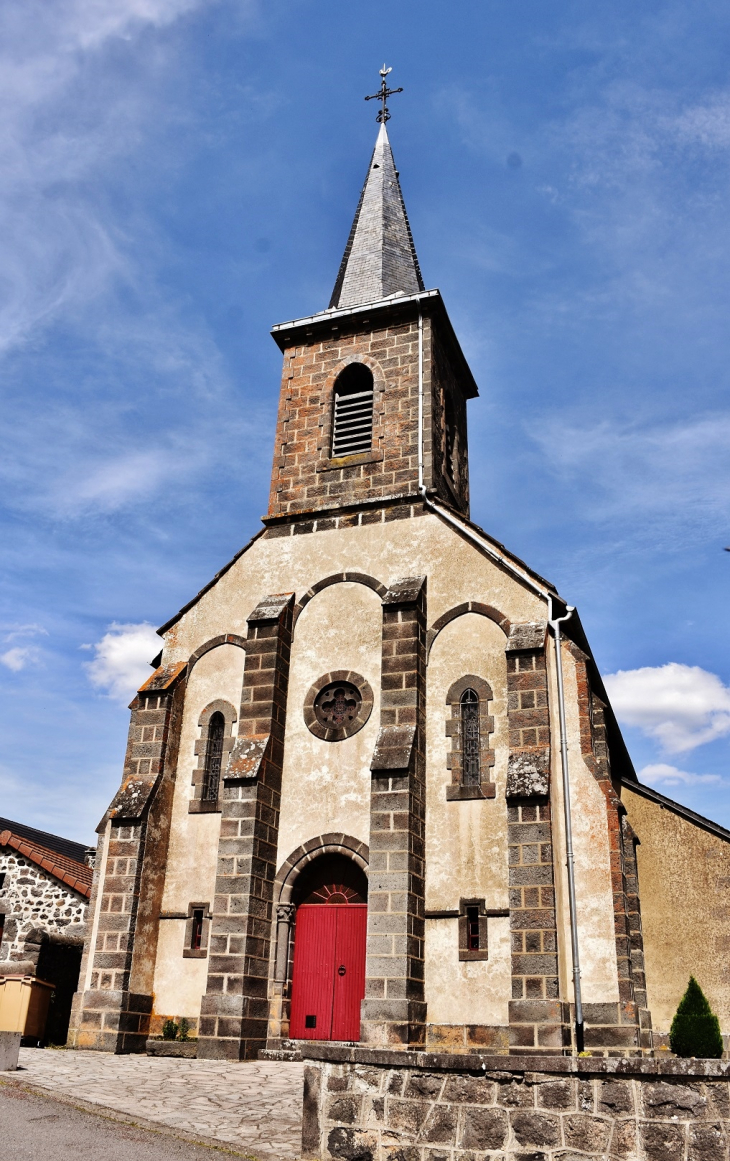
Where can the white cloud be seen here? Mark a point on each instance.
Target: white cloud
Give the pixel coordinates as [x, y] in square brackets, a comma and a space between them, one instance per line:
[20, 656]
[17, 658]
[32, 629]
[660, 774]
[707, 124]
[680, 706]
[122, 661]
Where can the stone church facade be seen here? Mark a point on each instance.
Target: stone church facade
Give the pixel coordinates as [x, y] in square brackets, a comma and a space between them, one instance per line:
[342, 814]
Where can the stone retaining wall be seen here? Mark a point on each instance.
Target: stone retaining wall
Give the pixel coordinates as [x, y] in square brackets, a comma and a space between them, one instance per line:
[396, 1106]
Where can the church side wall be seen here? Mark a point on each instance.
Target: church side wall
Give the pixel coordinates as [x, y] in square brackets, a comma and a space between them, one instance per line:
[594, 889]
[326, 785]
[449, 463]
[179, 983]
[684, 884]
[466, 844]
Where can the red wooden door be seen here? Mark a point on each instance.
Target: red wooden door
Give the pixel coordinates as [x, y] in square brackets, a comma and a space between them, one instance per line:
[349, 988]
[329, 971]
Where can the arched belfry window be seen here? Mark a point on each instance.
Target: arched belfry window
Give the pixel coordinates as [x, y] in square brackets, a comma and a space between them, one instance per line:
[470, 739]
[352, 426]
[213, 757]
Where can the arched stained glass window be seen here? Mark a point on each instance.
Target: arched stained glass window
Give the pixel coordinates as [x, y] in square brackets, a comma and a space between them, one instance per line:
[470, 741]
[352, 426]
[213, 757]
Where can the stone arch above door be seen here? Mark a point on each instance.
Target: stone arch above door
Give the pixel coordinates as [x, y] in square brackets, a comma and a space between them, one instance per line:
[324, 844]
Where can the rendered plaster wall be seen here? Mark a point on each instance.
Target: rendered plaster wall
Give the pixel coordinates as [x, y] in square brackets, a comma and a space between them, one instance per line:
[179, 983]
[192, 857]
[466, 842]
[684, 887]
[326, 785]
[593, 886]
[31, 898]
[426, 545]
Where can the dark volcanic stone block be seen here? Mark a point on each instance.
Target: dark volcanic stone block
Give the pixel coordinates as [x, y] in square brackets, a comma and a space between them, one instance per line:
[484, 1129]
[589, 1133]
[535, 1128]
[662, 1142]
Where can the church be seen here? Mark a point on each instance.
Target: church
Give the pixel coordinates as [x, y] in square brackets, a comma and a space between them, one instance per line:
[374, 791]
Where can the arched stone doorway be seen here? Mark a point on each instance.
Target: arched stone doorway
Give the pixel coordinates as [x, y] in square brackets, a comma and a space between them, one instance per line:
[328, 975]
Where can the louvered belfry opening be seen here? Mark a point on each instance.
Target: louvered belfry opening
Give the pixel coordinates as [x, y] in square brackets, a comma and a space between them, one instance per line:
[352, 428]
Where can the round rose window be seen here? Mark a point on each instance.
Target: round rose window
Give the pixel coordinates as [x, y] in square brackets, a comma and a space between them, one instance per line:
[337, 705]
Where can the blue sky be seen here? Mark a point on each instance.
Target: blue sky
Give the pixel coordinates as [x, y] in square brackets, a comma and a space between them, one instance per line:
[176, 176]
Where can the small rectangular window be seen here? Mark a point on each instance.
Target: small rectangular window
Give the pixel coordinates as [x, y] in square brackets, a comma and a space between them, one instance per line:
[310, 1021]
[472, 928]
[473, 933]
[196, 932]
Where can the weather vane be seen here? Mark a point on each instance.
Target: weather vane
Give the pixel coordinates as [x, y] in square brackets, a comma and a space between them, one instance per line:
[385, 92]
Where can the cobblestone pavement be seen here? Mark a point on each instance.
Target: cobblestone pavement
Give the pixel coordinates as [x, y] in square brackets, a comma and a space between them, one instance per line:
[254, 1106]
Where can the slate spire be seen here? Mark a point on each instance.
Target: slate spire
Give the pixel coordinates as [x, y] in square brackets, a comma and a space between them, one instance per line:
[380, 258]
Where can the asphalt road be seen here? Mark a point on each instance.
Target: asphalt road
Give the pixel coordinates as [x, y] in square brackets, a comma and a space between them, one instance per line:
[38, 1128]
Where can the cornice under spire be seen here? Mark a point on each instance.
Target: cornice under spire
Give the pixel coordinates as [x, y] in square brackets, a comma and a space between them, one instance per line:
[380, 258]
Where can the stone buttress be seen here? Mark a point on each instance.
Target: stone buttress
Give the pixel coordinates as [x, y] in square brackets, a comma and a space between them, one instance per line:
[394, 1011]
[111, 1010]
[234, 1011]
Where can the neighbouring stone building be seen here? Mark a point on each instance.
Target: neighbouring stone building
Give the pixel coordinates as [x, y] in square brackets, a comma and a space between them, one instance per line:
[45, 883]
[342, 814]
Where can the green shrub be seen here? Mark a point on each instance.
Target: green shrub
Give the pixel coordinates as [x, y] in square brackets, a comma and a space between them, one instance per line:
[184, 1029]
[169, 1030]
[695, 1028]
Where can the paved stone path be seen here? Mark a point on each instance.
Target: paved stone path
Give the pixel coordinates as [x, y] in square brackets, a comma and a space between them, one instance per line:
[255, 1107]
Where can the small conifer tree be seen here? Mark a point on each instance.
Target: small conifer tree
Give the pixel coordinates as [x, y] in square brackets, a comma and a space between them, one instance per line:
[169, 1029]
[184, 1029]
[695, 1028]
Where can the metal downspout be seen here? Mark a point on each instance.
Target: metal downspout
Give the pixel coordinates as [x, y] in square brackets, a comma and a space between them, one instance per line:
[554, 623]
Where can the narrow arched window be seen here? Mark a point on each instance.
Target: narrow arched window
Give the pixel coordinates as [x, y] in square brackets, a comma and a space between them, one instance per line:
[470, 741]
[213, 757]
[352, 425]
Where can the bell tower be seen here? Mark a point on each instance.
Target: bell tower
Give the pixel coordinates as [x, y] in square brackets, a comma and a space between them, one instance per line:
[374, 389]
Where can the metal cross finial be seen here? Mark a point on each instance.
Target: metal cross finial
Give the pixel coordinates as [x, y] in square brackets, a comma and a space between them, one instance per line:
[385, 92]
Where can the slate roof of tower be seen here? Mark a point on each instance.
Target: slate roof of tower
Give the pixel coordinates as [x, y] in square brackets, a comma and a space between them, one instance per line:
[380, 258]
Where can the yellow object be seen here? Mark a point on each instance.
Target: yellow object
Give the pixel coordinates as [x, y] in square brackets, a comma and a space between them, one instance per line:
[24, 1004]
